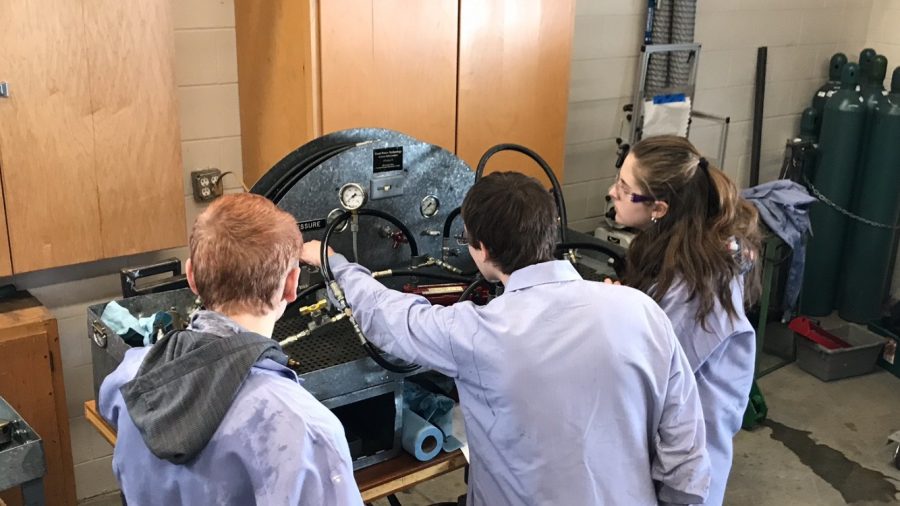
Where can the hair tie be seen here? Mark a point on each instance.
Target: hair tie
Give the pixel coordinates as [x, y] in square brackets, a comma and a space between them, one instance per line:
[712, 202]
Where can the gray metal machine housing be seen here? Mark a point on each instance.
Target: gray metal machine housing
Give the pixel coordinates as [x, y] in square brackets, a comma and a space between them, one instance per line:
[399, 172]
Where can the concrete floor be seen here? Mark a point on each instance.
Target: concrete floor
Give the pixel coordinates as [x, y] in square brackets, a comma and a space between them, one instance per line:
[823, 444]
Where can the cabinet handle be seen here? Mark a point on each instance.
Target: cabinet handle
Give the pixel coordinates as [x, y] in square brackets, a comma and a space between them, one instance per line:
[4, 89]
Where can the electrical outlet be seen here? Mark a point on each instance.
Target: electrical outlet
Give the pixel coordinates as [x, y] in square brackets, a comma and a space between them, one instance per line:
[207, 184]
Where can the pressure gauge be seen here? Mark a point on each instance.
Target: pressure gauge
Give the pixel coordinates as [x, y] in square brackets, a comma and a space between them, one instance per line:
[352, 196]
[429, 206]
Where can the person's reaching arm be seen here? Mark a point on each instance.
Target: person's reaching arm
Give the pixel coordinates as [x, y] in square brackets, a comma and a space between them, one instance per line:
[404, 325]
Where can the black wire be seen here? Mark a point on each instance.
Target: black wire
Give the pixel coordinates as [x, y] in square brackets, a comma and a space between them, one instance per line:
[557, 188]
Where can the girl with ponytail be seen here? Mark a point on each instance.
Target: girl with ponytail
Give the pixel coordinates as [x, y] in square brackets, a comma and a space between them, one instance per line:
[695, 254]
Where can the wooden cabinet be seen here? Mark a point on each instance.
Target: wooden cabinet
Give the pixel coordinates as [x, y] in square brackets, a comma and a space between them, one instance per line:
[90, 149]
[462, 74]
[31, 381]
[514, 60]
[391, 64]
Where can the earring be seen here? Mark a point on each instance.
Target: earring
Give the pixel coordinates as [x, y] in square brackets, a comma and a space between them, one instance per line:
[654, 219]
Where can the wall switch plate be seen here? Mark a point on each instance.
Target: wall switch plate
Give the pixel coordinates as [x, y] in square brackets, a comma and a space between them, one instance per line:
[207, 184]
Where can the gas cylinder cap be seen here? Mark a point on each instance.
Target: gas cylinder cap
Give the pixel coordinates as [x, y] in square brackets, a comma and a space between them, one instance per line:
[850, 76]
[866, 56]
[878, 70]
[808, 121]
[895, 81]
[838, 60]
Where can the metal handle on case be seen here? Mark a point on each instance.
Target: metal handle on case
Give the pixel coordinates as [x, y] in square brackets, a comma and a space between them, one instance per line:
[4, 89]
[98, 334]
[130, 275]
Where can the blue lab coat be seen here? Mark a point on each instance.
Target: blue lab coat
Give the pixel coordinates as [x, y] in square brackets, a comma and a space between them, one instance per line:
[573, 392]
[722, 358]
[275, 445]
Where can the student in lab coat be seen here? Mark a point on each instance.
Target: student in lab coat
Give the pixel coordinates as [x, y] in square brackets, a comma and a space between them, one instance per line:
[573, 392]
[695, 256]
[211, 414]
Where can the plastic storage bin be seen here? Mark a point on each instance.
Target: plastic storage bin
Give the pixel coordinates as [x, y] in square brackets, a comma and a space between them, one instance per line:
[829, 365]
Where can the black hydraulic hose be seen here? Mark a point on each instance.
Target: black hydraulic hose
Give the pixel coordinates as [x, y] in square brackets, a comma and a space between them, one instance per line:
[618, 262]
[375, 355]
[448, 224]
[344, 216]
[283, 184]
[471, 288]
[370, 349]
[449, 221]
[557, 188]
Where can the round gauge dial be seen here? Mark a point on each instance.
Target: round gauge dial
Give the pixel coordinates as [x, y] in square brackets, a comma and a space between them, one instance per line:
[333, 216]
[352, 196]
[429, 206]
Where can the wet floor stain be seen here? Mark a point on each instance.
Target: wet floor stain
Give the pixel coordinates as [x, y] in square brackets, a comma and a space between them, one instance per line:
[851, 426]
[853, 481]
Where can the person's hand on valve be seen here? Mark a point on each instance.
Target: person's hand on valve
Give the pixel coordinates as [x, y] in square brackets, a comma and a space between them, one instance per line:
[311, 253]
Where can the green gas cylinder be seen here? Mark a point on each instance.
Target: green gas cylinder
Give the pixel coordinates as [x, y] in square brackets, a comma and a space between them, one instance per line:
[869, 249]
[839, 142]
[809, 125]
[865, 61]
[807, 138]
[872, 93]
[838, 60]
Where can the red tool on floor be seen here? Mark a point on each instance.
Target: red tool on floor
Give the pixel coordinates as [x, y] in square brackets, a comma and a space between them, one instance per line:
[806, 328]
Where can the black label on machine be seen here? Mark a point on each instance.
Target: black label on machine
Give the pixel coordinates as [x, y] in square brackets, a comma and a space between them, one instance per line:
[387, 159]
[311, 225]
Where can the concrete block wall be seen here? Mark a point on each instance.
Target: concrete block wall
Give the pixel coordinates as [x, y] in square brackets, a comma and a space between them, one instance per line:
[884, 32]
[801, 37]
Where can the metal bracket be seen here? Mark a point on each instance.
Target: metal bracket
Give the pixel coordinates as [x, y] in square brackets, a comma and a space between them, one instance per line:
[4, 89]
[383, 187]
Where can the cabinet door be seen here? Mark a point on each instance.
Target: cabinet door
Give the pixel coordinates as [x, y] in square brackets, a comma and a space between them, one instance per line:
[137, 136]
[5, 259]
[276, 56]
[514, 80]
[46, 135]
[390, 64]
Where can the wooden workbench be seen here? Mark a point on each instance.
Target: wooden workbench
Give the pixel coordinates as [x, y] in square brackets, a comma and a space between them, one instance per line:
[375, 482]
